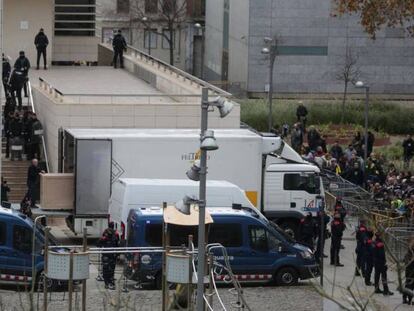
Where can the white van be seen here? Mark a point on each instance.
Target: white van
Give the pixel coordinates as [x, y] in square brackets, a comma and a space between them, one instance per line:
[135, 193]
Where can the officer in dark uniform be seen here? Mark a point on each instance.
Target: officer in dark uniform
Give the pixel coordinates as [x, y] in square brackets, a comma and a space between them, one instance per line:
[322, 217]
[337, 230]
[41, 42]
[109, 238]
[368, 257]
[119, 45]
[380, 266]
[6, 71]
[307, 231]
[22, 65]
[359, 250]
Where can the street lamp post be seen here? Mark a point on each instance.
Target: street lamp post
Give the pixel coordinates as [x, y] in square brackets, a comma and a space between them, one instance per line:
[361, 85]
[203, 38]
[271, 50]
[199, 173]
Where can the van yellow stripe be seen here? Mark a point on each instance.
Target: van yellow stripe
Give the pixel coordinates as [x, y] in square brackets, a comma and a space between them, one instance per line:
[252, 196]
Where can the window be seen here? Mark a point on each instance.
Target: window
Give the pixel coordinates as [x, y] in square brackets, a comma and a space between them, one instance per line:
[169, 6]
[75, 17]
[301, 182]
[165, 42]
[258, 238]
[153, 234]
[229, 235]
[151, 6]
[122, 6]
[178, 234]
[22, 239]
[150, 35]
[3, 232]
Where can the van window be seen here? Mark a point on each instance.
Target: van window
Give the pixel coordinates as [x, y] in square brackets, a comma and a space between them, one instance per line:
[3, 230]
[258, 238]
[153, 234]
[22, 239]
[301, 182]
[178, 235]
[228, 235]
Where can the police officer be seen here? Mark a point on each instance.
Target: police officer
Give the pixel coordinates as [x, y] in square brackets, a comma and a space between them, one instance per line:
[22, 65]
[359, 250]
[6, 71]
[368, 256]
[109, 238]
[41, 42]
[324, 219]
[119, 45]
[380, 266]
[337, 229]
[307, 231]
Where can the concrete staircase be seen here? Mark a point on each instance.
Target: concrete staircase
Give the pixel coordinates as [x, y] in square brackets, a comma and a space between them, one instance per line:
[15, 173]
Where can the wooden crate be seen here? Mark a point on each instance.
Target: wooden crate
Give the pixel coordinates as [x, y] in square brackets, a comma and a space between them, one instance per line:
[57, 191]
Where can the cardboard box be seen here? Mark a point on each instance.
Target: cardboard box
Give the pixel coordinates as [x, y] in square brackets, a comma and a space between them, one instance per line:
[57, 191]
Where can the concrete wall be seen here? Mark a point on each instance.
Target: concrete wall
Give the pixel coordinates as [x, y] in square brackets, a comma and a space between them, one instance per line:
[67, 48]
[22, 21]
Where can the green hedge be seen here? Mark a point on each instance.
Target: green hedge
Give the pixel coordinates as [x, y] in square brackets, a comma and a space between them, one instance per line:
[383, 117]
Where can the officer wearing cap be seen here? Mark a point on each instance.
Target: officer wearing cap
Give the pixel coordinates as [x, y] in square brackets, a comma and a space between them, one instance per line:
[337, 229]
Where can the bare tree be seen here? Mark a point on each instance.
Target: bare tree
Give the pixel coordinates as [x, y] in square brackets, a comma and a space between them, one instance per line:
[170, 14]
[348, 73]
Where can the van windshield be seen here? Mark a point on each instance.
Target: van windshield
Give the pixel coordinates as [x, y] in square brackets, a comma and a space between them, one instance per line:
[282, 232]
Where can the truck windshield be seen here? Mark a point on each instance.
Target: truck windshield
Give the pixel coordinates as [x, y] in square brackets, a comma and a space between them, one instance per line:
[308, 182]
[282, 232]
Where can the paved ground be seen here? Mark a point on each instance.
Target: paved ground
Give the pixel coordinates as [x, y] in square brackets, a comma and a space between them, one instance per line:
[93, 80]
[302, 297]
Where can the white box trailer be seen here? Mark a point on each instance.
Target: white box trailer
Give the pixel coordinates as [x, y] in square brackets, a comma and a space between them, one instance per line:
[99, 157]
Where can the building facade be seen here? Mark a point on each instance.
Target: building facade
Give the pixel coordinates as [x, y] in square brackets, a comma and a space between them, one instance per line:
[313, 44]
[146, 29]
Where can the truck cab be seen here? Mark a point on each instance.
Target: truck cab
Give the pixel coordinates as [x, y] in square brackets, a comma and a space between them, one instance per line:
[16, 232]
[258, 250]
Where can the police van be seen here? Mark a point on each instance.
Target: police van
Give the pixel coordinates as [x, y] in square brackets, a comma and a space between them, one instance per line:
[258, 250]
[16, 234]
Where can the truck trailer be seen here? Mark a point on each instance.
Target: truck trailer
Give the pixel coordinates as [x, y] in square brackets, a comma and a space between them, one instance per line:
[274, 177]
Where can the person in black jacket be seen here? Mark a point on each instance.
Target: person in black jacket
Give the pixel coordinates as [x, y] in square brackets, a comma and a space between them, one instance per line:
[7, 130]
[337, 230]
[369, 256]
[109, 239]
[361, 237]
[22, 65]
[33, 181]
[15, 132]
[119, 45]
[380, 266]
[409, 274]
[408, 147]
[5, 189]
[306, 231]
[6, 71]
[17, 83]
[41, 42]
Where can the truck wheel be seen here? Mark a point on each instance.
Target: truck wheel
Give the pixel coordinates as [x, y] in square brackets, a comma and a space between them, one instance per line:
[286, 277]
[291, 228]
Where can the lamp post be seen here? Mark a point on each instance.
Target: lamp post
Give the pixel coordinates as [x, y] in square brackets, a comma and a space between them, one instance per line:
[271, 50]
[145, 21]
[199, 173]
[361, 85]
[199, 26]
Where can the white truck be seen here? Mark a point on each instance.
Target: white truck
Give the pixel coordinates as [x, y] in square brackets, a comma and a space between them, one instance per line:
[136, 193]
[274, 177]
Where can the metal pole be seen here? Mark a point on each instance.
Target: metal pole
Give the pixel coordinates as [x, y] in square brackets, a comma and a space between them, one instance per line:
[203, 38]
[366, 123]
[70, 279]
[149, 41]
[190, 274]
[46, 258]
[33, 258]
[164, 262]
[85, 246]
[270, 94]
[321, 244]
[202, 204]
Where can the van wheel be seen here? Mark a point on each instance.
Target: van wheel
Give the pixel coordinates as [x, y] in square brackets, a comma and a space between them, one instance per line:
[291, 228]
[286, 277]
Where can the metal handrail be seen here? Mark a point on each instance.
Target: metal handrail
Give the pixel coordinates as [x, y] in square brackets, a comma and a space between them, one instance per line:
[31, 102]
[181, 72]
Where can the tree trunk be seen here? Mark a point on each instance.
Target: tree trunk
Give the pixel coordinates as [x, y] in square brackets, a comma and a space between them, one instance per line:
[171, 41]
[343, 101]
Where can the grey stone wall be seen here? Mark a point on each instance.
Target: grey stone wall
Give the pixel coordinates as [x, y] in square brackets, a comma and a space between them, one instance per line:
[308, 26]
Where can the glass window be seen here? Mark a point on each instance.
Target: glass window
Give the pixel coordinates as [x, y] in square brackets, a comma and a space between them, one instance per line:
[169, 6]
[229, 235]
[273, 242]
[258, 238]
[3, 232]
[301, 182]
[122, 6]
[153, 234]
[22, 239]
[150, 35]
[151, 6]
[165, 42]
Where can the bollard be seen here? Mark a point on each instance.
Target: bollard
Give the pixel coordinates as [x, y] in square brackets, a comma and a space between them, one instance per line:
[85, 246]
